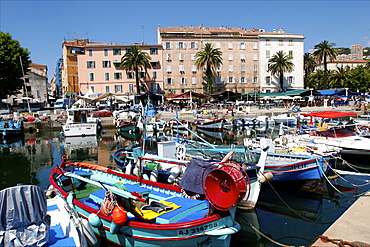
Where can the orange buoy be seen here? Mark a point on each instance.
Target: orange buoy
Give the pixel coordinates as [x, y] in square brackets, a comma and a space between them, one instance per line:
[119, 215]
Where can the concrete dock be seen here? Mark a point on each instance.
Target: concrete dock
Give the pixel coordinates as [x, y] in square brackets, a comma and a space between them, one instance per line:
[352, 228]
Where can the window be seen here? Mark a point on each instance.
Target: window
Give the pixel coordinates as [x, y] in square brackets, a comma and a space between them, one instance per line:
[231, 68]
[290, 42]
[194, 80]
[290, 53]
[154, 74]
[242, 80]
[90, 52]
[268, 80]
[142, 74]
[107, 89]
[181, 68]
[267, 41]
[91, 76]
[267, 54]
[106, 76]
[281, 42]
[219, 80]
[242, 57]
[182, 81]
[291, 80]
[230, 46]
[193, 57]
[128, 50]
[181, 57]
[242, 68]
[116, 51]
[154, 87]
[168, 57]
[218, 68]
[231, 79]
[194, 68]
[181, 45]
[118, 88]
[169, 81]
[242, 46]
[92, 88]
[105, 52]
[130, 75]
[193, 45]
[255, 79]
[255, 57]
[90, 64]
[255, 68]
[255, 46]
[218, 45]
[131, 88]
[117, 75]
[154, 51]
[106, 64]
[169, 69]
[167, 46]
[230, 57]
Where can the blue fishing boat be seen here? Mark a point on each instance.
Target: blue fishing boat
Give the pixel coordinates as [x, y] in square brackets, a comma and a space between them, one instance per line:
[130, 211]
[11, 128]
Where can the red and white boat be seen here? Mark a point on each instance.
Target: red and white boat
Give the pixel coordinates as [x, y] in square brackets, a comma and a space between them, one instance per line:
[212, 124]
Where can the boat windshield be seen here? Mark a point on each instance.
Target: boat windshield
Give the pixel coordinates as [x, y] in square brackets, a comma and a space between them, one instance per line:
[333, 133]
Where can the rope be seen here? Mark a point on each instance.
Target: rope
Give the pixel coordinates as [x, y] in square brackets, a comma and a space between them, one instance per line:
[340, 242]
[263, 235]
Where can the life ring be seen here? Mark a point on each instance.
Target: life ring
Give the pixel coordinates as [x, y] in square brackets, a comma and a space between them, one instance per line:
[364, 128]
[180, 152]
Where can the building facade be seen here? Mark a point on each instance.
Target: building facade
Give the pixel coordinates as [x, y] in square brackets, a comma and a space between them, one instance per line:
[99, 70]
[293, 46]
[244, 53]
[335, 64]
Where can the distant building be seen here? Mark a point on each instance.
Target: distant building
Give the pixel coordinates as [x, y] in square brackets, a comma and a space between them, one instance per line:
[35, 89]
[99, 70]
[333, 65]
[245, 58]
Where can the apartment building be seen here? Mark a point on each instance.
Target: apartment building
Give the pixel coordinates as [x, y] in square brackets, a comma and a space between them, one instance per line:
[292, 45]
[335, 64]
[99, 70]
[244, 58]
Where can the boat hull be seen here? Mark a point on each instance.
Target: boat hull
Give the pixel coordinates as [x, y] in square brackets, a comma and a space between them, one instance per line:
[212, 124]
[82, 129]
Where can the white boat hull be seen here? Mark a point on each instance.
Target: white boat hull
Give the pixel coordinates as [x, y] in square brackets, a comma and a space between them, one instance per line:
[81, 129]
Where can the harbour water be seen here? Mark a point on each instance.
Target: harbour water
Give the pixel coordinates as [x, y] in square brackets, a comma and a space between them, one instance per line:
[285, 214]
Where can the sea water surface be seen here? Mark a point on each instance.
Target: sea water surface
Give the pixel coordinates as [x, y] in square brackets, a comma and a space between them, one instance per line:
[287, 214]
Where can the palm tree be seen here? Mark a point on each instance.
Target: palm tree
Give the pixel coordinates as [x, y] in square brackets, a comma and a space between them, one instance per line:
[309, 66]
[279, 64]
[367, 65]
[339, 78]
[208, 59]
[325, 50]
[136, 60]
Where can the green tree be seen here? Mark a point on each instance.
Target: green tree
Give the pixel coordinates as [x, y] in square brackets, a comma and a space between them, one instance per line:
[11, 74]
[309, 66]
[359, 79]
[325, 51]
[136, 60]
[367, 65]
[339, 78]
[208, 59]
[278, 65]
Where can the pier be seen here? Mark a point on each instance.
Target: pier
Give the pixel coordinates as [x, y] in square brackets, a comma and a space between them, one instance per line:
[351, 229]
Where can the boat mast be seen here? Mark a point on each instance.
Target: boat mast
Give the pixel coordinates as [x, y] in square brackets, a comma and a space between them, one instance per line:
[25, 87]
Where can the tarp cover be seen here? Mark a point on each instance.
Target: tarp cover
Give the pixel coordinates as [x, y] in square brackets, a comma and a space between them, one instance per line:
[23, 215]
[329, 114]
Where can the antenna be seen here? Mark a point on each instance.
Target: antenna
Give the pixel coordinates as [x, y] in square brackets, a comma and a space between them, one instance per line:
[142, 27]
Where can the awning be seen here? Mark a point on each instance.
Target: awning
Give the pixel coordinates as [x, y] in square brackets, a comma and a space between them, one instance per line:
[329, 114]
[117, 61]
[154, 60]
[68, 93]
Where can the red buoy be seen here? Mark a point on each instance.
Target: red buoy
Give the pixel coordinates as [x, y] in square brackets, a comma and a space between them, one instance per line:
[225, 187]
[119, 215]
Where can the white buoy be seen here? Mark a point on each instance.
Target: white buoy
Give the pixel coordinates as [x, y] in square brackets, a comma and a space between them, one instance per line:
[154, 175]
[128, 169]
[175, 171]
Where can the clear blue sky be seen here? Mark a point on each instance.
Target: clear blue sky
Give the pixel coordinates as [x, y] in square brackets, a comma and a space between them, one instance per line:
[41, 26]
